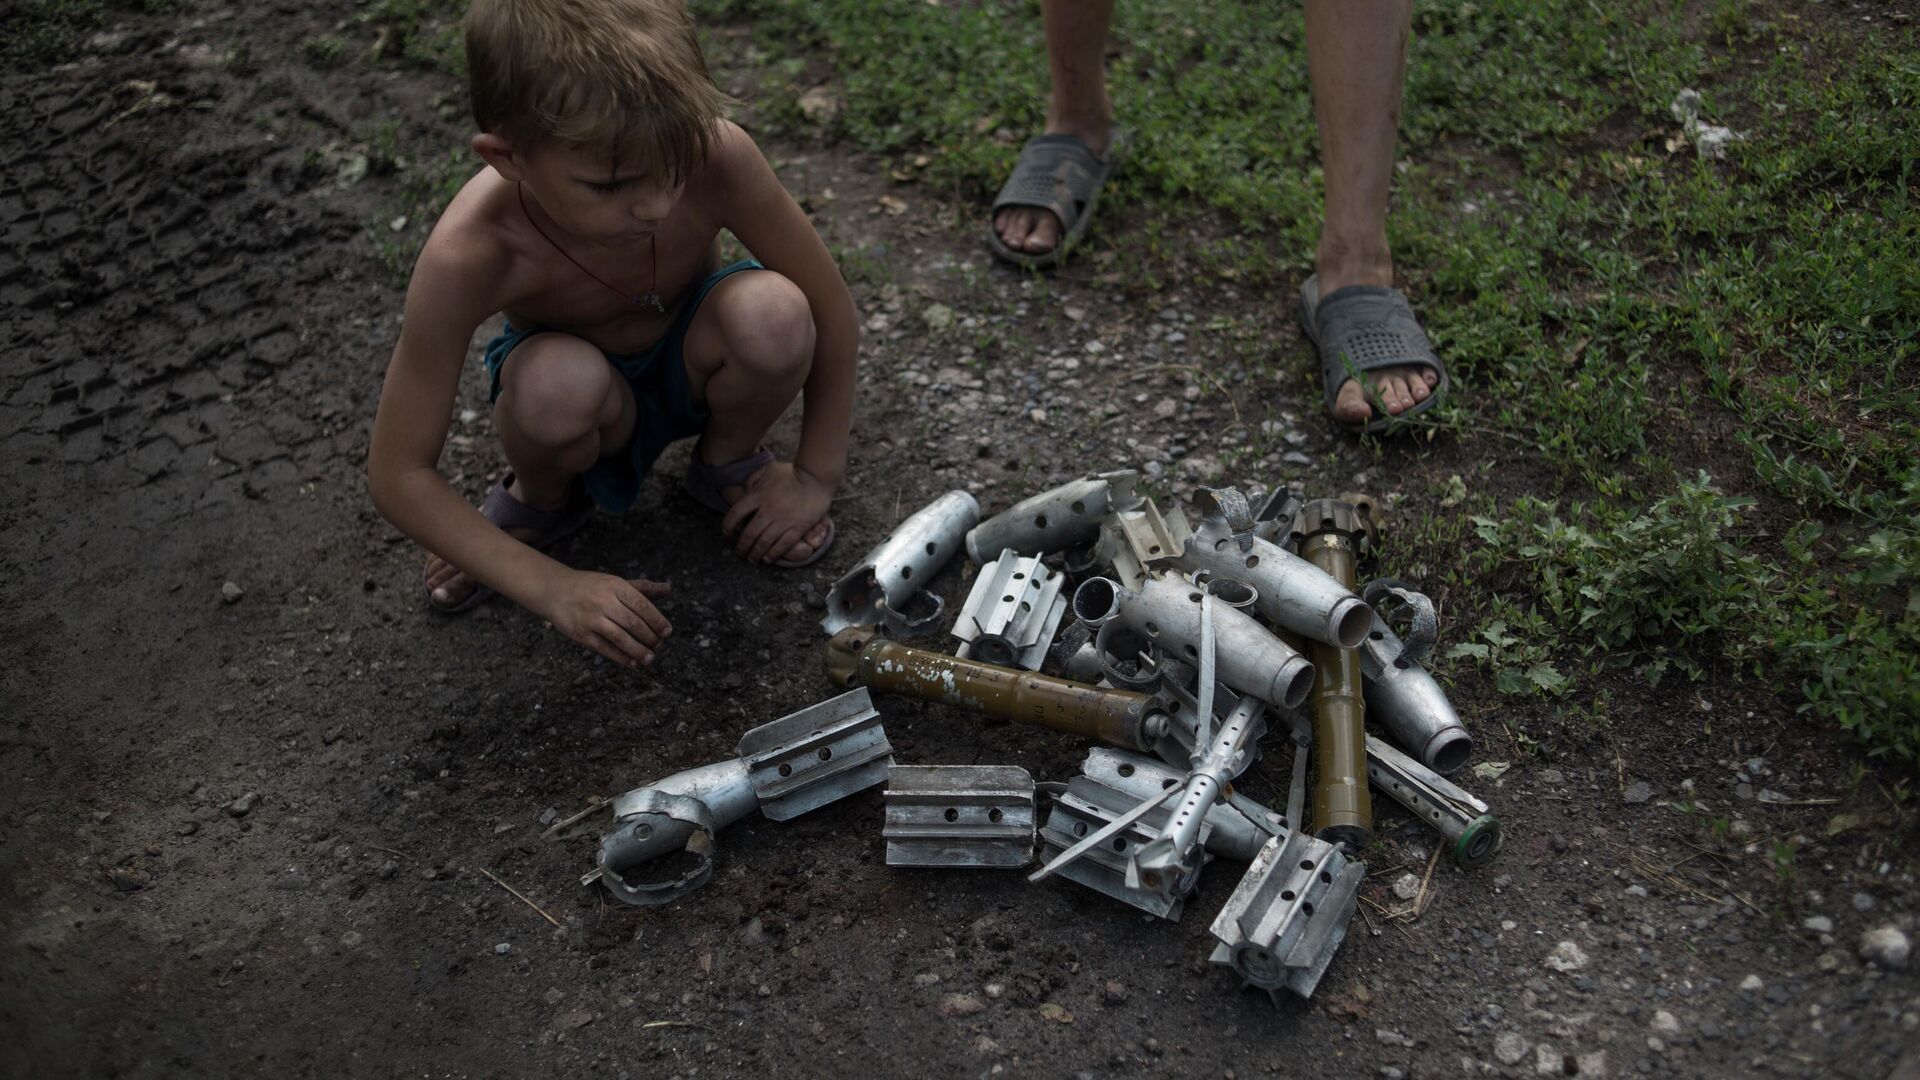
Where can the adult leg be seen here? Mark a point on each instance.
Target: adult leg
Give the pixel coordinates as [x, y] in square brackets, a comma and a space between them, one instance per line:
[748, 352]
[1077, 105]
[560, 403]
[1356, 57]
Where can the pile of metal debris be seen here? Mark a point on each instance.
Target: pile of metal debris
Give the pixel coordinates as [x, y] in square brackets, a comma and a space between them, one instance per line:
[1188, 640]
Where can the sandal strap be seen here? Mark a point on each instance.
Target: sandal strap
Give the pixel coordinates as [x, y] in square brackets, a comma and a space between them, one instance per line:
[1059, 173]
[507, 512]
[1363, 328]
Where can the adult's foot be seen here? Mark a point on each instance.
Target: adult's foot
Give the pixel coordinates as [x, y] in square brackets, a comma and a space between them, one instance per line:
[1034, 230]
[1398, 388]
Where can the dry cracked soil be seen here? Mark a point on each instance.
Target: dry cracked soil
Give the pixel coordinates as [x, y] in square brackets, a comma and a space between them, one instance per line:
[258, 796]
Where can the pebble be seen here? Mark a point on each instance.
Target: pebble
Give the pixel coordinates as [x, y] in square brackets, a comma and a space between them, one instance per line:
[1566, 956]
[1862, 902]
[1114, 992]
[926, 978]
[127, 879]
[1407, 887]
[1054, 1014]
[1818, 924]
[387, 869]
[1638, 792]
[1510, 1047]
[549, 816]
[1393, 1038]
[1886, 947]
[1165, 408]
[231, 593]
[1637, 890]
[1665, 1024]
[961, 1005]
[1552, 776]
[241, 806]
[1752, 984]
[995, 990]
[503, 948]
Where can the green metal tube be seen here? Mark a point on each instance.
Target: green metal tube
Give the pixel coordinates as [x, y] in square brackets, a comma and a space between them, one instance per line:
[1342, 805]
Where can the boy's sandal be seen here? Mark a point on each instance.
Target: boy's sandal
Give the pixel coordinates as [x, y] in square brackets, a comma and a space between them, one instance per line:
[1060, 174]
[549, 527]
[1364, 328]
[706, 484]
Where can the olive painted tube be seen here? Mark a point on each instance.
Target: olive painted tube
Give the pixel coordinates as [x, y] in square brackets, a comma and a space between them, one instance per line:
[856, 657]
[1342, 806]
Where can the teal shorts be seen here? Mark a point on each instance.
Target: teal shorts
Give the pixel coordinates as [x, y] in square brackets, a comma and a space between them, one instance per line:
[664, 411]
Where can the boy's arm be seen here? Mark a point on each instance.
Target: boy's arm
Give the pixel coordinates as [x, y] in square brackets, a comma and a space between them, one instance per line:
[455, 286]
[769, 224]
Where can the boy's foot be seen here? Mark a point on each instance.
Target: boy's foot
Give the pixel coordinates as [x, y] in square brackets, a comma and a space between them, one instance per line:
[1047, 202]
[449, 590]
[718, 487]
[1377, 367]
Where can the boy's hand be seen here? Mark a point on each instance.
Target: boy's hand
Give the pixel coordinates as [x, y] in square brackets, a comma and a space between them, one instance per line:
[781, 507]
[610, 615]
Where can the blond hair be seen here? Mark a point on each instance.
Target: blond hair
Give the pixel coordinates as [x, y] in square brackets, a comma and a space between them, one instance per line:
[623, 77]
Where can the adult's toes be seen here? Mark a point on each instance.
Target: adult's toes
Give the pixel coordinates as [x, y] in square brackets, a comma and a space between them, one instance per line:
[1418, 388]
[1045, 235]
[1350, 404]
[1014, 224]
[1393, 393]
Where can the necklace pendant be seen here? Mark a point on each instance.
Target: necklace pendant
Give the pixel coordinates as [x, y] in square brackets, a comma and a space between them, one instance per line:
[652, 301]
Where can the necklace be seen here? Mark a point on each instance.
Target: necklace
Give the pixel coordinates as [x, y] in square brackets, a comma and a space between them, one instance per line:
[645, 299]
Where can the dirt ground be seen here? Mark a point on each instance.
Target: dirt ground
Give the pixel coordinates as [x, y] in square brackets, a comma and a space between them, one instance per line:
[247, 826]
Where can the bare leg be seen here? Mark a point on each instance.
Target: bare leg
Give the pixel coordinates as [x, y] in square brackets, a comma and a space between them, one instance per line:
[1077, 105]
[560, 404]
[748, 353]
[1356, 57]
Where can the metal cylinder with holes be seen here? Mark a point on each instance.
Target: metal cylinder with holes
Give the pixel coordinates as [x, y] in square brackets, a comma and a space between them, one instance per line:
[1251, 659]
[1342, 809]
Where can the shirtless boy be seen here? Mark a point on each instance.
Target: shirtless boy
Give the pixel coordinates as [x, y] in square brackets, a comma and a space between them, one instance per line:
[609, 174]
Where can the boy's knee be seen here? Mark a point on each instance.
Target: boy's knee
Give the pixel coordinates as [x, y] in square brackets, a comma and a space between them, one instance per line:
[554, 388]
[771, 326]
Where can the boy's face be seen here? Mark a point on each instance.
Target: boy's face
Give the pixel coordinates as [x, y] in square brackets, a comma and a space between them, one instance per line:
[593, 196]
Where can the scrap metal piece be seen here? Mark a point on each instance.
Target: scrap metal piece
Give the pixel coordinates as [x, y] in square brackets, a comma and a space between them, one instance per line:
[1289, 914]
[1232, 508]
[1293, 594]
[1474, 834]
[1077, 656]
[1054, 520]
[1176, 848]
[1167, 610]
[1330, 532]
[1137, 540]
[663, 840]
[855, 657]
[1410, 704]
[1012, 613]
[959, 815]
[1273, 519]
[1183, 744]
[888, 586]
[1240, 826]
[1088, 807]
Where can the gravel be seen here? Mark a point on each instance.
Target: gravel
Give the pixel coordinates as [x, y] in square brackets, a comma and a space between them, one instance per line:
[1886, 947]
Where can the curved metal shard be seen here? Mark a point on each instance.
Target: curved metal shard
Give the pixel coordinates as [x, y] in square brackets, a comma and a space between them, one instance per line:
[883, 587]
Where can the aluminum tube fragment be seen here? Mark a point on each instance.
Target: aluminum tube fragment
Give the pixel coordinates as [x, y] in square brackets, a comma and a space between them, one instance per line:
[1012, 613]
[1054, 520]
[1330, 533]
[1293, 594]
[1240, 826]
[1089, 806]
[1142, 539]
[880, 590]
[1177, 846]
[959, 816]
[1473, 833]
[1251, 659]
[856, 657]
[1410, 704]
[663, 840]
[1287, 918]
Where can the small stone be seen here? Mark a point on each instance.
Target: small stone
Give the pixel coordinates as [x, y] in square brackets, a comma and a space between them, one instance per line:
[231, 593]
[387, 869]
[995, 990]
[926, 978]
[243, 805]
[1818, 924]
[1407, 887]
[351, 939]
[127, 879]
[186, 828]
[1637, 792]
[1510, 1047]
[1566, 956]
[1038, 416]
[961, 1005]
[1665, 1024]
[1393, 1038]
[1054, 1014]
[503, 948]
[755, 932]
[1743, 791]
[1637, 890]
[1752, 985]
[1114, 992]
[1862, 902]
[549, 816]
[937, 316]
[1547, 1061]
[1199, 467]
[1165, 408]
[1886, 948]
[1554, 777]
[1591, 1064]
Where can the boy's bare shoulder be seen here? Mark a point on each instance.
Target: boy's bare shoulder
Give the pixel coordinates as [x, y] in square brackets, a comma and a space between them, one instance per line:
[473, 251]
[732, 158]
